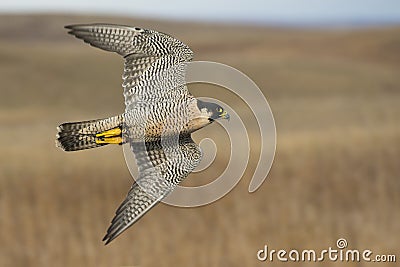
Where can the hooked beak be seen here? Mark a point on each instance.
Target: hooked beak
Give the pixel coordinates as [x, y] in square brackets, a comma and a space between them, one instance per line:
[225, 115]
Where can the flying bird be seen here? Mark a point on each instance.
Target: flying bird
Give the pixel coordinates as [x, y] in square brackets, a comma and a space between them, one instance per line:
[159, 117]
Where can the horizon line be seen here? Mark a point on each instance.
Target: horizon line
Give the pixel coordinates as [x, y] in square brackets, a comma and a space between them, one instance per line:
[293, 23]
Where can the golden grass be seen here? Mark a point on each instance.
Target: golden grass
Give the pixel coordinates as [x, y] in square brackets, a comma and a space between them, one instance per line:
[335, 98]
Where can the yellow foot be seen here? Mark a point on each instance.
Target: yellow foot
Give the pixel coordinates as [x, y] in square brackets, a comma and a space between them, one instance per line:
[109, 140]
[110, 133]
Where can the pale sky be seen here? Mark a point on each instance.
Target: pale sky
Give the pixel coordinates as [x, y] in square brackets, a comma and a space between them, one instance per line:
[258, 11]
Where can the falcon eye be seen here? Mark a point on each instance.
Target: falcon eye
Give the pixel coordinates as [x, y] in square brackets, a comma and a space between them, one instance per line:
[219, 109]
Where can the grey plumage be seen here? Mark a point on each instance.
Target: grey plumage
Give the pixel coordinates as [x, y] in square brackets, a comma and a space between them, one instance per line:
[159, 117]
[158, 176]
[148, 54]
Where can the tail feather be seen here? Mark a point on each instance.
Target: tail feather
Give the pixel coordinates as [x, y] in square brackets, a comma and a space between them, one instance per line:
[74, 136]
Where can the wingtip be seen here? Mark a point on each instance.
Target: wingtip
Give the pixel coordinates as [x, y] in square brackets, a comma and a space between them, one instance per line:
[112, 234]
[107, 239]
[72, 29]
[75, 27]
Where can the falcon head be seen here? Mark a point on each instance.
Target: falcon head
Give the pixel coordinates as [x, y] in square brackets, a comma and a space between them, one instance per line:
[212, 111]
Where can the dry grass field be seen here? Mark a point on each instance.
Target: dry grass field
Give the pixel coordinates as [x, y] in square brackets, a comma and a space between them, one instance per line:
[335, 95]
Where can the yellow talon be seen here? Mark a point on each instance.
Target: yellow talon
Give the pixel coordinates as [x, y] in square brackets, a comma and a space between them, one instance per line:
[110, 133]
[109, 140]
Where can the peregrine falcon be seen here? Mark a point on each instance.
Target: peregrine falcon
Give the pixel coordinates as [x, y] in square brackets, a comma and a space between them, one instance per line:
[159, 117]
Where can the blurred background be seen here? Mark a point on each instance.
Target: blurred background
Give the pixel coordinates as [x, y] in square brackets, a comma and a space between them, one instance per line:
[330, 71]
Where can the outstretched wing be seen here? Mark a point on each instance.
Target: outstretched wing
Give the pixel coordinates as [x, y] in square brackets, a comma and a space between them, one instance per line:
[154, 61]
[162, 166]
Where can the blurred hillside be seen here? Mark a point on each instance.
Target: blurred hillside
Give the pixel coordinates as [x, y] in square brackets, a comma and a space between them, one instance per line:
[335, 97]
